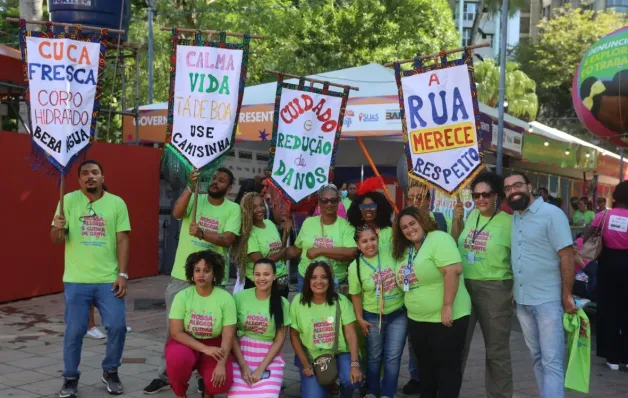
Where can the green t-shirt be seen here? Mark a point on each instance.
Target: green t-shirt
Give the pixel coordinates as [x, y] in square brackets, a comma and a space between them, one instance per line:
[447, 221]
[491, 248]
[219, 219]
[424, 301]
[254, 318]
[385, 236]
[393, 294]
[314, 234]
[580, 218]
[267, 242]
[91, 254]
[346, 202]
[204, 317]
[316, 325]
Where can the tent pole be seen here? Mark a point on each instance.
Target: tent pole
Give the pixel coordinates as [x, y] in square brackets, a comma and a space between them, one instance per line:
[368, 157]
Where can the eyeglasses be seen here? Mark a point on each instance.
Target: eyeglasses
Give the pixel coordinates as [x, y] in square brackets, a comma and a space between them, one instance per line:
[369, 206]
[90, 213]
[326, 201]
[514, 187]
[478, 195]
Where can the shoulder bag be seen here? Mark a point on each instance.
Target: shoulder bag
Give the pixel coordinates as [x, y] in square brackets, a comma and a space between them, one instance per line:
[592, 248]
[325, 366]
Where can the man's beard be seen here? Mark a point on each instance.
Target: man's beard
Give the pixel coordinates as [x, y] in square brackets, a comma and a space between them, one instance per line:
[519, 204]
[216, 195]
[92, 190]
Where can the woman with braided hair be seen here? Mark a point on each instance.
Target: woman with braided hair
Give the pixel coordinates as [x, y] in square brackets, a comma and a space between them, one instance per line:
[259, 238]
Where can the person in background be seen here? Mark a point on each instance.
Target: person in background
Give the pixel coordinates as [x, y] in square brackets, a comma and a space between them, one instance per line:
[612, 280]
[583, 216]
[543, 270]
[314, 310]
[544, 193]
[202, 328]
[259, 238]
[420, 197]
[372, 209]
[263, 322]
[348, 192]
[378, 305]
[95, 230]
[429, 270]
[484, 245]
[325, 237]
[217, 226]
[601, 204]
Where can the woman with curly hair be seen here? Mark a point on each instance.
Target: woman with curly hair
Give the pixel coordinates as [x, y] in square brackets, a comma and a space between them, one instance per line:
[202, 328]
[259, 238]
[429, 271]
[372, 209]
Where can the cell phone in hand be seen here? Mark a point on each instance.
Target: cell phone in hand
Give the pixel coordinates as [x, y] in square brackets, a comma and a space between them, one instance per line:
[266, 374]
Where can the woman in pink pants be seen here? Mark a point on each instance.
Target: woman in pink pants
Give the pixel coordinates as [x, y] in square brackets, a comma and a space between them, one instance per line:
[202, 328]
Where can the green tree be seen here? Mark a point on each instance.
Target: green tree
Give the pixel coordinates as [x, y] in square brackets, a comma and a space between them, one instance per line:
[553, 58]
[520, 89]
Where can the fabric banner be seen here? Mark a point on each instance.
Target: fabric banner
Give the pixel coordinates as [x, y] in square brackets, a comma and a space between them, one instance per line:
[440, 122]
[306, 130]
[64, 74]
[206, 87]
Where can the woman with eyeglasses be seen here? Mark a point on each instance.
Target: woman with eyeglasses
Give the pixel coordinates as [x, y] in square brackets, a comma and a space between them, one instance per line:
[429, 271]
[313, 331]
[373, 209]
[259, 238]
[484, 244]
[378, 305]
[325, 238]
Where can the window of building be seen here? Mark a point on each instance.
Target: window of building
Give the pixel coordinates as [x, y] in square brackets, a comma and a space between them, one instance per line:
[546, 12]
[261, 157]
[469, 11]
[466, 37]
[245, 155]
[524, 25]
[618, 5]
[525, 7]
[488, 38]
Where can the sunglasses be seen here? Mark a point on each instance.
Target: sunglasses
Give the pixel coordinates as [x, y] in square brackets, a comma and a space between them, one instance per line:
[90, 213]
[370, 206]
[326, 201]
[478, 195]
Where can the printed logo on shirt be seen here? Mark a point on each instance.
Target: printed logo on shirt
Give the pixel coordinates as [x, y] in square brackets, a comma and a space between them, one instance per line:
[209, 224]
[618, 223]
[401, 275]
[93, 227]
[480, 241]
[275, 247]
[324, 242]
[388, 279]
[257, 324]
[323, 333]
[201, 325]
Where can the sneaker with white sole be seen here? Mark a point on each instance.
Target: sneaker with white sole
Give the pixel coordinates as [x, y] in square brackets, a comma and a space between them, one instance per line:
[69, 389]
[156, 386]
[112, 381]
[95, 333]
[612, 366]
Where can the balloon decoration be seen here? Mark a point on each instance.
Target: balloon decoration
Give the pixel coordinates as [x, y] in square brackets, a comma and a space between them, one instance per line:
[600, 88]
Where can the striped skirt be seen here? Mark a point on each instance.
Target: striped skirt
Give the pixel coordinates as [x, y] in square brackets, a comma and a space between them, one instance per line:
[254, 352]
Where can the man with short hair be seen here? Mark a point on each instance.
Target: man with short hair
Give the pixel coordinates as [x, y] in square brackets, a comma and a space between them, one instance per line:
[95, 230]
[601, 204]
[542, 265]
[217, 226]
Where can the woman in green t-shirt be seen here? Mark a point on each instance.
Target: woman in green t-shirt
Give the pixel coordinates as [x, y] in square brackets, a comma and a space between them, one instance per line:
[429, 270]
[378, 304]
[202, 328]
[372, 209]
[259, 238]
[263, 318]
[484, 245]
[313, 332]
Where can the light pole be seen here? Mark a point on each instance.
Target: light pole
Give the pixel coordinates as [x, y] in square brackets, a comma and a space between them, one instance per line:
[151, 4]
[502, 87]
[460, 23]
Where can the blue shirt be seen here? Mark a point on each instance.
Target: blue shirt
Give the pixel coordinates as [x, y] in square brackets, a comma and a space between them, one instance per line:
[538, 233]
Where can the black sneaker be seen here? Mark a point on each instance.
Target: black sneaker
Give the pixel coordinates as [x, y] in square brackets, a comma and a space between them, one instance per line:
[201, 385]
[112, 381]
[412, 388]
[155, 386]
[70, 386]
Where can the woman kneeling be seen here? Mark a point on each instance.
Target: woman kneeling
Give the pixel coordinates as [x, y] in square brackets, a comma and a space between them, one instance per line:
[202, 328]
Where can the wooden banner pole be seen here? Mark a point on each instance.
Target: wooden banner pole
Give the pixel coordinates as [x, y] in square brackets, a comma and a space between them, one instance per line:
[309, 79]
[195, 199]
[211, 32]
[368, 157]
[61, 193]
[66, 25]
[428, 56]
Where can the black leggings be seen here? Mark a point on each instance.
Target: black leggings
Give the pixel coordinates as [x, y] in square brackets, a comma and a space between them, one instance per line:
[438, 350]
[612, 314]
[283, 290]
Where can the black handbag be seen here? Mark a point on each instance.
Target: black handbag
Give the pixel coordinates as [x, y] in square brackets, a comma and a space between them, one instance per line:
[325, 366]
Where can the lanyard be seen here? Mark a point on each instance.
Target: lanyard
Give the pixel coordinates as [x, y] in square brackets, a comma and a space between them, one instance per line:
[411, 257]
[475, 234]
[379, 264]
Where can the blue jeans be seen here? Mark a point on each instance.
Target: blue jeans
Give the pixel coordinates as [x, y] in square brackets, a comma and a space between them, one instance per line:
[78, 299]
[386, 344]
[311, 389]
[542, 327]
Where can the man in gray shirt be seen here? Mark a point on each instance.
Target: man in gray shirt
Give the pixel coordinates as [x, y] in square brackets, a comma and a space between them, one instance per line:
[543, 269]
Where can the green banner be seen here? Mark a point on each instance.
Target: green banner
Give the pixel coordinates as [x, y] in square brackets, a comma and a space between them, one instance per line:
[558, 153]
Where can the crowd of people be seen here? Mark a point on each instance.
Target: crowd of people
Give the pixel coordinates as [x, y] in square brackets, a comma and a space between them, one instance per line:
[368, 281]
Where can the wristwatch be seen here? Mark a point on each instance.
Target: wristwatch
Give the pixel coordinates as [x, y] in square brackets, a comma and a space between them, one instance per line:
[125, 276]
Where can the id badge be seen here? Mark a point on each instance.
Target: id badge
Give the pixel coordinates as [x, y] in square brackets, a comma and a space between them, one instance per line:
[406, 285]
[377, 291]
[470, 257]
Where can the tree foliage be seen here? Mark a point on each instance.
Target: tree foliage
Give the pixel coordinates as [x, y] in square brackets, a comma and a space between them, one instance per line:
[520, 89]
[553, 58]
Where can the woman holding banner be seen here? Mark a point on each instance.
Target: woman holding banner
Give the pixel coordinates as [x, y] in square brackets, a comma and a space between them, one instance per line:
[259, 238]
[325, 238]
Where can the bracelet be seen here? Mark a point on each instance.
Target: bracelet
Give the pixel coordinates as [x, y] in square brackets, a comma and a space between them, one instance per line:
[355, 364]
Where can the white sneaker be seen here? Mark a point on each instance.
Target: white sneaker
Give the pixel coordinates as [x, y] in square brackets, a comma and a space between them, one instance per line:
[128, 329]
[612, 366]
[95, 333]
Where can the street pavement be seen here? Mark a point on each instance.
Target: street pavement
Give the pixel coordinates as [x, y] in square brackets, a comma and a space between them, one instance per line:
[31, 353]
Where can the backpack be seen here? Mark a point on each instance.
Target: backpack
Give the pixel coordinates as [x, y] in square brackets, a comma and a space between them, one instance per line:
[440, 221]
